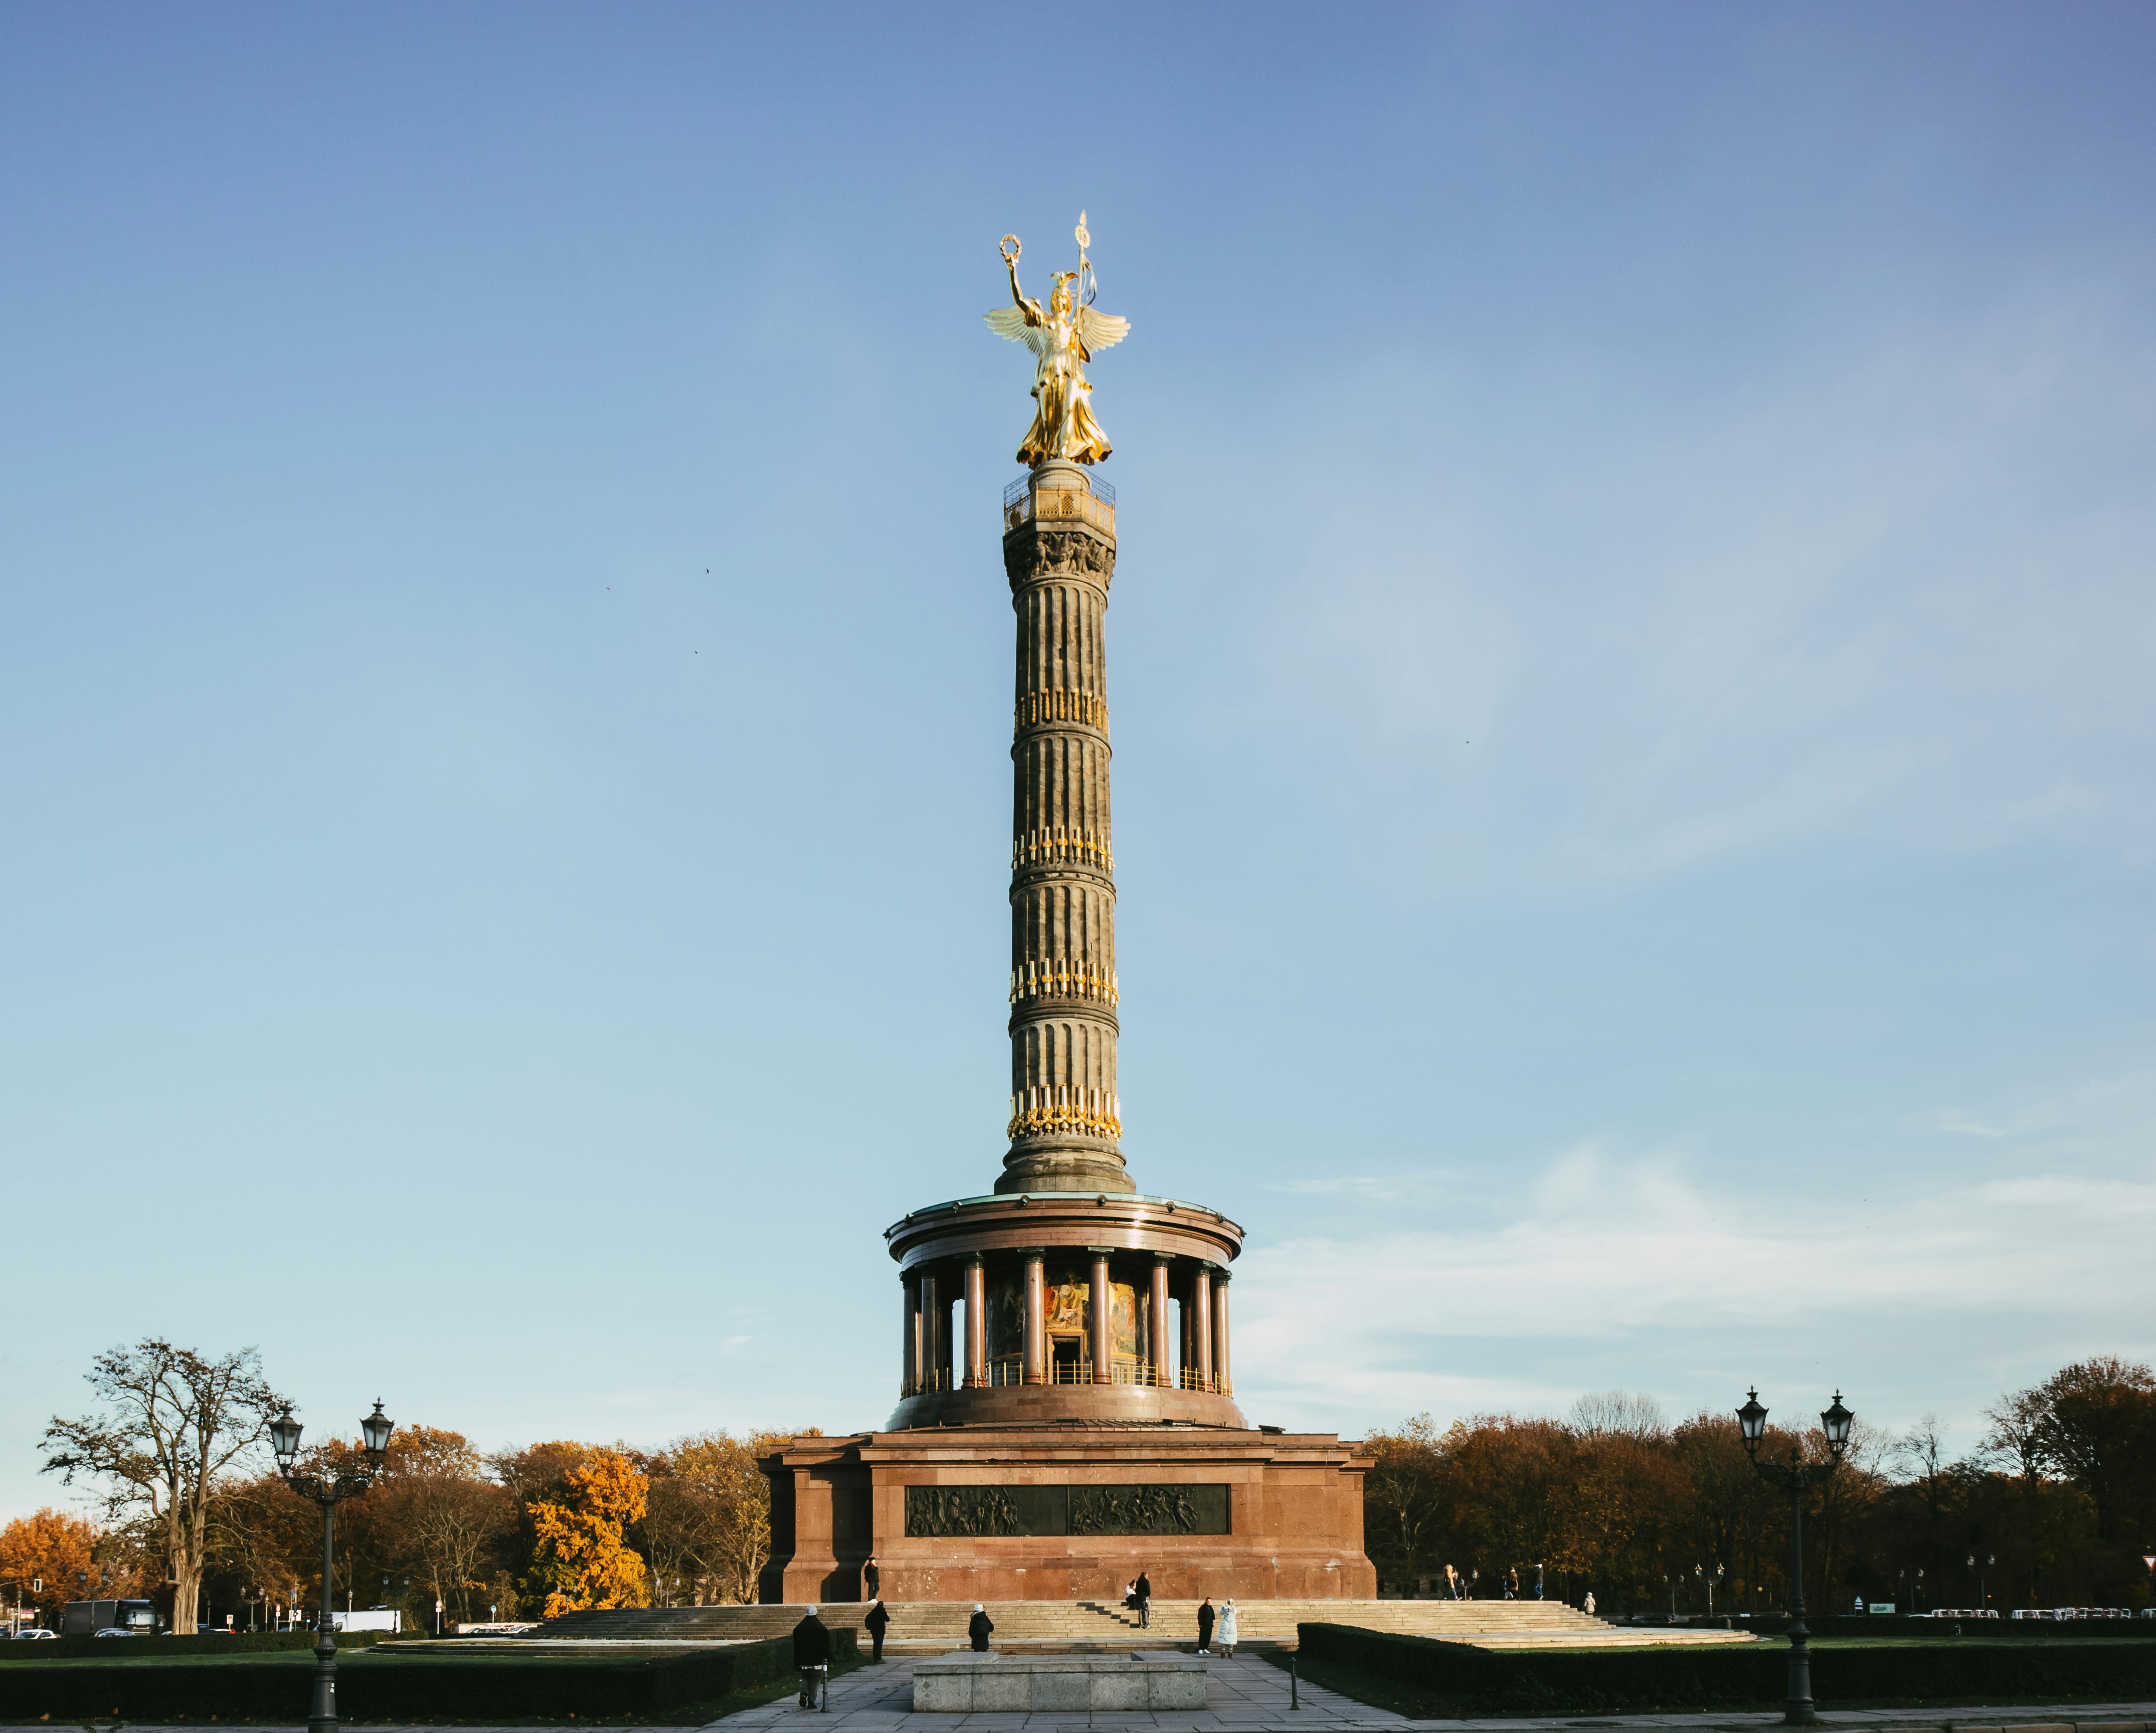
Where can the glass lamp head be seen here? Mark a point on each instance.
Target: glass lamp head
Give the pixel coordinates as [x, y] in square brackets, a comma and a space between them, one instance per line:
[376, 1429]
[284, 1439]
[1752, 1421]
[1836, 1422]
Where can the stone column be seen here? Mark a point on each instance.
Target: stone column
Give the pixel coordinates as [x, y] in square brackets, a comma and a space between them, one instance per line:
[910, 1382]
[1222, 1380]
[1186, 1359]
[935, 1330]
[1156, 1322]
[976, 1324]
[1066, 1125]
[1101, 1323]
[1201, 1326]
[1036, 1314]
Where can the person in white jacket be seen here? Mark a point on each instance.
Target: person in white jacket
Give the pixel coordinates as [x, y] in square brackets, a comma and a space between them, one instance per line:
[1224, 1633]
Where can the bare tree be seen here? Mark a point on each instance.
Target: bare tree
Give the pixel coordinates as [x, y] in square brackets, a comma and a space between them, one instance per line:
[174, 1421]
[1603, 1413]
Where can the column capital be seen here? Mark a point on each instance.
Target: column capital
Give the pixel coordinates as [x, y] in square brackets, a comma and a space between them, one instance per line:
[971, 1260]
[1102, 1251]
[1033, 1254]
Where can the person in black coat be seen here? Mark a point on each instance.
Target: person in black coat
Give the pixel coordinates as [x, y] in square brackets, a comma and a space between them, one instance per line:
[1145, 1601]
[812, 1654]
[872, 1578]
[878, 1620]
[1205, 1617]
[977, 1628]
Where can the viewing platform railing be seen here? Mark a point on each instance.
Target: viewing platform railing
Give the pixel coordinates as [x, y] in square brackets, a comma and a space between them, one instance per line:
[1025, 503]
[1007, 1371]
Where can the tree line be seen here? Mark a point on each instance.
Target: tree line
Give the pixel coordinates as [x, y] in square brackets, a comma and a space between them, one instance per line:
[2054, 1505]
[193, 1513]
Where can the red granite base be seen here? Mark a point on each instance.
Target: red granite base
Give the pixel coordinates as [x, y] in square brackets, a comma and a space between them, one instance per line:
[1294, 1503]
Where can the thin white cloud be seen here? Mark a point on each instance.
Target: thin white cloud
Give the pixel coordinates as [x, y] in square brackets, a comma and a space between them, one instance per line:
[1605, 1251]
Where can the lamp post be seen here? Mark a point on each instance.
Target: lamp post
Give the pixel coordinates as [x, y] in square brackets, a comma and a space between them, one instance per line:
[285, 1439]
[1797, 1476]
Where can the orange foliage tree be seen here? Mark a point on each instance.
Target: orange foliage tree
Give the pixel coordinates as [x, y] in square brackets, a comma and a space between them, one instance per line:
[573, 1525]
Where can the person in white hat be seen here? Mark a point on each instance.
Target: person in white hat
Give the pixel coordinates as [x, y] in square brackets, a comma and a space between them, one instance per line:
[812, 1654]
[977, 1628]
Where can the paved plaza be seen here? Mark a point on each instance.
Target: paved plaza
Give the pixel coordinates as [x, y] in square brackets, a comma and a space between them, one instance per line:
[1251, 1695]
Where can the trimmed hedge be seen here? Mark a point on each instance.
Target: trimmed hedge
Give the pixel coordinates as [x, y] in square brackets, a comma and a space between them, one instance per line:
[248, 1642]
[1941, 1630]
[385, 1686]
[1646, 1681]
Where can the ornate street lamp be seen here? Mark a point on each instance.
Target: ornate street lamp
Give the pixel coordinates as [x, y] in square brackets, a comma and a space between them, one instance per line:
[285, 1440]
[1797, 1476]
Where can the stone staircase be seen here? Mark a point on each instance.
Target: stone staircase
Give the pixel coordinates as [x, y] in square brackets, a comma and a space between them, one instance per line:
[925, 1626]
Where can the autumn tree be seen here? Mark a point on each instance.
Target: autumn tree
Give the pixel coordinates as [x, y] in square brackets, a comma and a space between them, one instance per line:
[173, 1422]
[571, 1523]
[709, 1518]
[1403, 1503]
[435, 1515]
[51, 1558]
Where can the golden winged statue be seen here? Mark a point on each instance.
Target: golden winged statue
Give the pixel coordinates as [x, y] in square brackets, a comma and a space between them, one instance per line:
[1064, 335]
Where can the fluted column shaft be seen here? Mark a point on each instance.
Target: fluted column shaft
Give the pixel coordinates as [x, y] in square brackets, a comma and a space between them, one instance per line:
[910, 1382]
[1156, 1322]
[1223, 1381]
[1100, 1320]
[976, 1324]
[1036, 1315]
[1065, 1122]
[1201, 1326]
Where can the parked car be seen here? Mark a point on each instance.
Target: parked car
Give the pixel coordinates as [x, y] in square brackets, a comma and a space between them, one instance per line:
[113, 1630]
[36, 1633]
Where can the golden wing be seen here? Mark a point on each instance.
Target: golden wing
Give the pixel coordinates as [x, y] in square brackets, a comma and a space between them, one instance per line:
[1011, 322]
[1100, 331]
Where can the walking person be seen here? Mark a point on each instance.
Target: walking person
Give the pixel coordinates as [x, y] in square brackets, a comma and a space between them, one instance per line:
[1143, 1589]
[1226, 1632]
[1589, 1608]
[1451, 1582]
[871, 1579]
[878, 1620]
[977, 1628]
[1205, 1617]
[812, 1655]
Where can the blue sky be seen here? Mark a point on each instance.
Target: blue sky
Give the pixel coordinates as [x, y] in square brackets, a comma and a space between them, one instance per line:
[1631, 663]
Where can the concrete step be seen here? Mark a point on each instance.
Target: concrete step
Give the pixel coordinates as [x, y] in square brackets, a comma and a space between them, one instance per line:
[1080, 1627]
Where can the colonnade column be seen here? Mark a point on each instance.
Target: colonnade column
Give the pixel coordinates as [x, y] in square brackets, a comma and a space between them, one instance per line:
[976, 1324]
[1100, 1319]
[910, 1382]
[934, 1336]
[1156, 1320]
[1223, 1382]
[1036, 1315]
[1201, 1326]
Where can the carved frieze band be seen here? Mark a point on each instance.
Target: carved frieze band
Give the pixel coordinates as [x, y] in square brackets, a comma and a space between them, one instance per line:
[1060, 553]
[947, 1512]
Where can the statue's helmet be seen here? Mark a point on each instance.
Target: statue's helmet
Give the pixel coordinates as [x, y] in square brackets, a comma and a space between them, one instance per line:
[1061, 298]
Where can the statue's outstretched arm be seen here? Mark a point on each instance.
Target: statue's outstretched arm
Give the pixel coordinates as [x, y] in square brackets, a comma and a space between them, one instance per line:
[1031, 311]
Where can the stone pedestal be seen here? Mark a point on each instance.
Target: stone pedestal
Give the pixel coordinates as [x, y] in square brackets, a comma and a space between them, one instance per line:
[1069, 1513]
[968, 1683]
